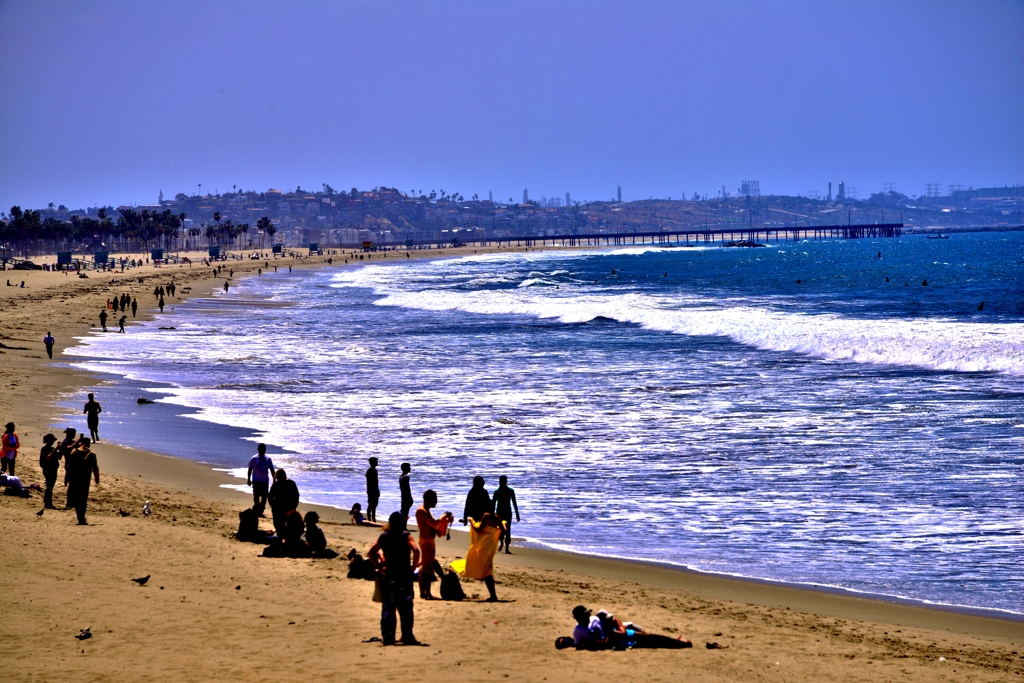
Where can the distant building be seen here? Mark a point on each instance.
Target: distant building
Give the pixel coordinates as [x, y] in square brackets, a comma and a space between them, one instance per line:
[830, 190]
[490, 196]
[748, 188]
[568, 202]
[620, 193]
[526, 196]
[841, 195]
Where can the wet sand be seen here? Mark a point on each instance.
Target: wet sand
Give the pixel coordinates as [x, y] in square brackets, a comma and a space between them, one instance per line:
[215, 609]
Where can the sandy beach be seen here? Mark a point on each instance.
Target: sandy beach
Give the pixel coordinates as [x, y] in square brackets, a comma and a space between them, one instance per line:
[215, 609]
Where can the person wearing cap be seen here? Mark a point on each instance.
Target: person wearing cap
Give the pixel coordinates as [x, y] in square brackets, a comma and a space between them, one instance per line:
[10, 445]
[588, 634]
[78, 468]
[49, 463]
[66, 448]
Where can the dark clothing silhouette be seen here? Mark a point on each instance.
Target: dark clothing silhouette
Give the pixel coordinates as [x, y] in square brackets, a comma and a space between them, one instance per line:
[372, 493]
[49, 463]
[403, 484]
[477, 503]
[283, 498]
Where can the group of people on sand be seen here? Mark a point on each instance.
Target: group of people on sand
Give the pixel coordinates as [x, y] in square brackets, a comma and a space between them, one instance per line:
[80, 468]
[604, 631]
[294, 535]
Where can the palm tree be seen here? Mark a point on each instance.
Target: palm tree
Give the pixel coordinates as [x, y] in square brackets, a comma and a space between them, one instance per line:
[263, 225]
[244, 227]
[271, 229]
[210, 232]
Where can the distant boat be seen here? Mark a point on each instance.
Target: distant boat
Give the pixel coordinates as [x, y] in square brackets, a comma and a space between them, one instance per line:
[939, 236]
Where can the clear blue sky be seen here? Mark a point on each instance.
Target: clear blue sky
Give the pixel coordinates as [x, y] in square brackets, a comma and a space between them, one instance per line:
[110, 102]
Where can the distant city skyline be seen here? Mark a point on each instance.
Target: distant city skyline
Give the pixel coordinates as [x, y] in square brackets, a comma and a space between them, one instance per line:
[110, 102]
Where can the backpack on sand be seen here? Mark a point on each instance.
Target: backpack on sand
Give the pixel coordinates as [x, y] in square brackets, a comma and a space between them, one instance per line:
[451, 587]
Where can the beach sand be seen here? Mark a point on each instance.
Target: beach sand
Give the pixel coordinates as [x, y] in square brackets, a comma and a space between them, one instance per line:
[215, 609]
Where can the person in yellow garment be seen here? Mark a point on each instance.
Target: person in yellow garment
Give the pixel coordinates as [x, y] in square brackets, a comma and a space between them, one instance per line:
[483, 544]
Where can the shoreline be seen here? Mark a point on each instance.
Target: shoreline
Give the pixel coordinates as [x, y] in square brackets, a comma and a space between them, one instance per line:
[539, 545]
[554, 579]
[230, 483]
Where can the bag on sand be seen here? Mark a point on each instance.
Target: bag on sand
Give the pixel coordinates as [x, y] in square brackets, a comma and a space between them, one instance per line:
[451, 587]
[248, 526]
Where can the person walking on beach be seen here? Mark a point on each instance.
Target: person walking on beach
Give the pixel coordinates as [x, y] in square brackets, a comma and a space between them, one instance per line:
[504, 504]
[400, 555]
[261, 469]
[48, 340]
[92, 410]
[406, 489]
[161, 304]
[120, 323]
[9, 445]
[283, 498]
[49, 463]
[135, 306]
[225, 286]
[78, 470]
[103, 319]
[430, 529]
[478, 501]
[372, 491]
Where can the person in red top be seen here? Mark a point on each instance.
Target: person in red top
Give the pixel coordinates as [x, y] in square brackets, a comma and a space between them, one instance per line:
[430, 529]
[11, 444]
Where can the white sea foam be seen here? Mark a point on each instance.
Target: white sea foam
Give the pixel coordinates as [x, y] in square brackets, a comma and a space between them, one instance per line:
[927, 343]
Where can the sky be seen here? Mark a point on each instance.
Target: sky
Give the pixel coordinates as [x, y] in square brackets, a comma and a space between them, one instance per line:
[113, 102]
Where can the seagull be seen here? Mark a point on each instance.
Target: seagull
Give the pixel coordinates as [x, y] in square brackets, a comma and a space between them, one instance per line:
[145, 509]
[121, 512]
[85, 633]
[142, 581]
[40, 513]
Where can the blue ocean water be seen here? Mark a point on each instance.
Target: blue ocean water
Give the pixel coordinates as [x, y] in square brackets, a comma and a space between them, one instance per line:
[808, 412]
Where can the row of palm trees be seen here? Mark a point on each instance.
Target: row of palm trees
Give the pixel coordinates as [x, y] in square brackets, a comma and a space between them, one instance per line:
[25, 232]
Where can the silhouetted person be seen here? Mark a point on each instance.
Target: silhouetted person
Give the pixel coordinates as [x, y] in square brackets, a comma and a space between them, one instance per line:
[372, 491]
[9, 445]
[283, 498]
[78, 470]
[120, 323]
[135, 306]
[225, 286]
[49, 463]
[478, 501]
[400, 555]
[92, 410]
[261, 469]
[161, 304]
[504, 504]
[404, 487]
[48, 340]
[103, 319]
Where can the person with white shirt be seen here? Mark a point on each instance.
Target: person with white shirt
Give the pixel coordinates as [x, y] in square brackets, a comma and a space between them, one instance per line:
[261, 471]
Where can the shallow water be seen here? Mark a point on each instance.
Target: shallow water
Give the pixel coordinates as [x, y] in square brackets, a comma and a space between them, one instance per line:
[693, 406]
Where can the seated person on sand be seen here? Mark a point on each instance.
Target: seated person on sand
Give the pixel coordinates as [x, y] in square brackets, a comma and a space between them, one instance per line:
[289, 543]
[483, 544]
[356, 514]
[609, 633]
[315, 539]
[359, 567]
[12, 486]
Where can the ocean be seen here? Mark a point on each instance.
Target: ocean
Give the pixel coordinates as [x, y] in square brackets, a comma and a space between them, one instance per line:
[845, 414]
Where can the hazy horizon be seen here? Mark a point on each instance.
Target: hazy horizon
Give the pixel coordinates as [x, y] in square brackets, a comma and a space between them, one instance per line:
[112, 102]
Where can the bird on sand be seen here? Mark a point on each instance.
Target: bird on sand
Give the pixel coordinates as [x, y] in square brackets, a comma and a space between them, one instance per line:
[85, 633]
[40, 513]
[145, 509]
[121, 512]
[142, 581]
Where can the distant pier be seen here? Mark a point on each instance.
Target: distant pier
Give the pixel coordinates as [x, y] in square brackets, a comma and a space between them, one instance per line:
[683, 237]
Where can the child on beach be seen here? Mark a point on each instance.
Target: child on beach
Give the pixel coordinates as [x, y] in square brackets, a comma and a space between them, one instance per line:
[10, 445]
[356, 515]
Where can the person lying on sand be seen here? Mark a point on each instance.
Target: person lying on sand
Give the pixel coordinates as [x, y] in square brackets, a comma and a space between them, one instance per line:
[594, 633]
[356, 514]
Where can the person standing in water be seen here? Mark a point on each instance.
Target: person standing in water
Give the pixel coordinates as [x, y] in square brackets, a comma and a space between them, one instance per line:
[103, 319]
[225, 286]
[405, 488]
[48, 340]
[505, 503]
[92, 410]
[372, 491]
[430, 529]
